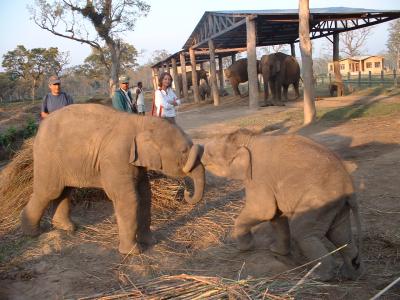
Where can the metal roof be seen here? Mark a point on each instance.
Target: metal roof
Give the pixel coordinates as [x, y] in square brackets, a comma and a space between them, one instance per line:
[227, 28]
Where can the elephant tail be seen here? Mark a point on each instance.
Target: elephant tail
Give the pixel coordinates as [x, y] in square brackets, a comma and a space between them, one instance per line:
[352, 201]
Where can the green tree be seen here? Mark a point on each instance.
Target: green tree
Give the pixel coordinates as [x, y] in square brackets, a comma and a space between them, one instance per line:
[91, 22]
[393, 42]
[7, 84]
[31, 65]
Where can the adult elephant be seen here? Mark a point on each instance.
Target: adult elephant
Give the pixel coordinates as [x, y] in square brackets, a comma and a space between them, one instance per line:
[90, 145]
[237, 73]
[301, 187]
[279, 70]
[201, 75]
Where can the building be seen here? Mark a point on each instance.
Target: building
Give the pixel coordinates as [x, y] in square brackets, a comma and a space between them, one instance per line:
[353, 65]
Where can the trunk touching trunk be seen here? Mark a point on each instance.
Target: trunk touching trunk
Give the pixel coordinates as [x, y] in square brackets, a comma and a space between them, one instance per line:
[198, 177]
[195, 170]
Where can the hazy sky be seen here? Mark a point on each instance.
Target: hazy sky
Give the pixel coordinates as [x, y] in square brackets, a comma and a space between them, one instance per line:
[168, 25]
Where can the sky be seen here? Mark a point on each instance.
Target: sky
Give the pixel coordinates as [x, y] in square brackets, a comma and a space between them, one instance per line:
[167, 26]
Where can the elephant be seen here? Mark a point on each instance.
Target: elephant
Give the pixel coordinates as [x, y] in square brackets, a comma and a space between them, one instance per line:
[201, 74]
[301, 187]
[279, 70]
[204, 90]
[237, 73]
[91, 145]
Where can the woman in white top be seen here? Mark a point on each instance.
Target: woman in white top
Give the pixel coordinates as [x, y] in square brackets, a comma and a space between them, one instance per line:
[165, 99]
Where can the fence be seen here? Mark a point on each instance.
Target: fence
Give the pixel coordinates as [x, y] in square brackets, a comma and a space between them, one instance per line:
[361, 80]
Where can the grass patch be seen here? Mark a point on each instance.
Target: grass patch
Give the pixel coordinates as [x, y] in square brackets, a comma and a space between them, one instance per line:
[358, 111]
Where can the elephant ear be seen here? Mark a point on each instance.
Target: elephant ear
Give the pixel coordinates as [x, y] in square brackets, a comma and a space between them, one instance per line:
[145, 152]
[240, 166]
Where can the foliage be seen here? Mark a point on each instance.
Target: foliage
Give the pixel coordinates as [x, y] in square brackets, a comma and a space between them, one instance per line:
[12, 134]
[7, 84]
[393, 43]
[158, 55]
[30, 66]
[76, 20]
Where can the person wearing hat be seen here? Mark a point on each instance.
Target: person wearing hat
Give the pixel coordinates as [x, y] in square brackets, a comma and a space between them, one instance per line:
[122, 99]
[56, 99]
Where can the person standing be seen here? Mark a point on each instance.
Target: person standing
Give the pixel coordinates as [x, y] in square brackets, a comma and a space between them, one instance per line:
[122, 99]
[165, 99]
[140, 99]
[56, 99]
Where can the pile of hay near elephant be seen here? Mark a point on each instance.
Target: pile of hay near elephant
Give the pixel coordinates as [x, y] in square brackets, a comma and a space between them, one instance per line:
[16, 187]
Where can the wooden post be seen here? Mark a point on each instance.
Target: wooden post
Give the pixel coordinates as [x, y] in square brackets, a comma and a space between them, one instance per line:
[336, 65]
[162, 68]
[382, 79]
[167, 68]
[220, 74]
[252, 62]
[213, 73]
[394, 78]
[195, 86]
[292, 50]
[330, 78]
[155, 77]
[233, 58]
[175, 75]
[348, 76]
[307, 63]
[184, 79]
[369, 78]
[359, 79]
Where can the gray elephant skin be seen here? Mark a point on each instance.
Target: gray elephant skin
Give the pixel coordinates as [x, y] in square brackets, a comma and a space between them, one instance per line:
[237, 73]
[301, 187]
[279, 70]
[201, 74]
[204, 90]
[90, 145]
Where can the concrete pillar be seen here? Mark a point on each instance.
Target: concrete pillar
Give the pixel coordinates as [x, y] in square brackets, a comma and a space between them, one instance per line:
[184, 79]
[213, 73]
[195, 86]
[252, 62]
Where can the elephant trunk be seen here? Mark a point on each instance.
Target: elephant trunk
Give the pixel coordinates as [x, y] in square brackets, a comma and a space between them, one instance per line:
[198, 176]
[195, 170]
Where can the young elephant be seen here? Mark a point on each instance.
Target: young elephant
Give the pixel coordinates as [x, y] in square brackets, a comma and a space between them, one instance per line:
[89, 145]
[298, 185]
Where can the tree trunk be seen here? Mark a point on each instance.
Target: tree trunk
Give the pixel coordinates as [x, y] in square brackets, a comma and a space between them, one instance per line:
[307, 63]
[33, 89]
[252, 62]
[115, 66]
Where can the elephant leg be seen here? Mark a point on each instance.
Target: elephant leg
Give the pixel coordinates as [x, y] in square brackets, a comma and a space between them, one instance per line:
[285, 92]
[144, 234]
[61, 219]
[242, 229]
[340, 234]
[308, 234]
[296, 89]
[35, 208]
[235, 86]
[281, 245]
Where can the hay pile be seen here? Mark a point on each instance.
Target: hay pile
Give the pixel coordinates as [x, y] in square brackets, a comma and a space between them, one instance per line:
[16, 187]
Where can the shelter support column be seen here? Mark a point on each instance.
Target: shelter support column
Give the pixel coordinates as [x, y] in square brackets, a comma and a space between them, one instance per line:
[292, 50]
[233, 58]
[336, 65]
[252, 62]
[154, 73]
[176, 78]
[213, 73]
[195, 85]
[184, 79]
[220, 73]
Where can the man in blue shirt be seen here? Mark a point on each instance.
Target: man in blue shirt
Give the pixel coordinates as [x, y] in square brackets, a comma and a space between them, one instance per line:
[55, 99]
[122, 99]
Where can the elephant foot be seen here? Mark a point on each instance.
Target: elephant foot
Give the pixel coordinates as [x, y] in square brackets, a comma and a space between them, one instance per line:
[26, 226]
[245, 243]
[281, 248]
[352, 273]
[267, 103]
[147, 239]
[129, 249]
[65, 225]
[278, 103]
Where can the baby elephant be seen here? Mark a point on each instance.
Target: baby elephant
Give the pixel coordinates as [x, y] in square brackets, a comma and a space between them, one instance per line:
[298, 185]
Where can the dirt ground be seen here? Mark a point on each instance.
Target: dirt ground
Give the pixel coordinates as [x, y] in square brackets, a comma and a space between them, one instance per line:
[195, 240]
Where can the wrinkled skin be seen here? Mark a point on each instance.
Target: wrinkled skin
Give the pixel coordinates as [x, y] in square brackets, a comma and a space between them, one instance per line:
[204, 90]
[237, 73]
[279, 70]
[91, 145]
[299, 186]
[201, 74]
